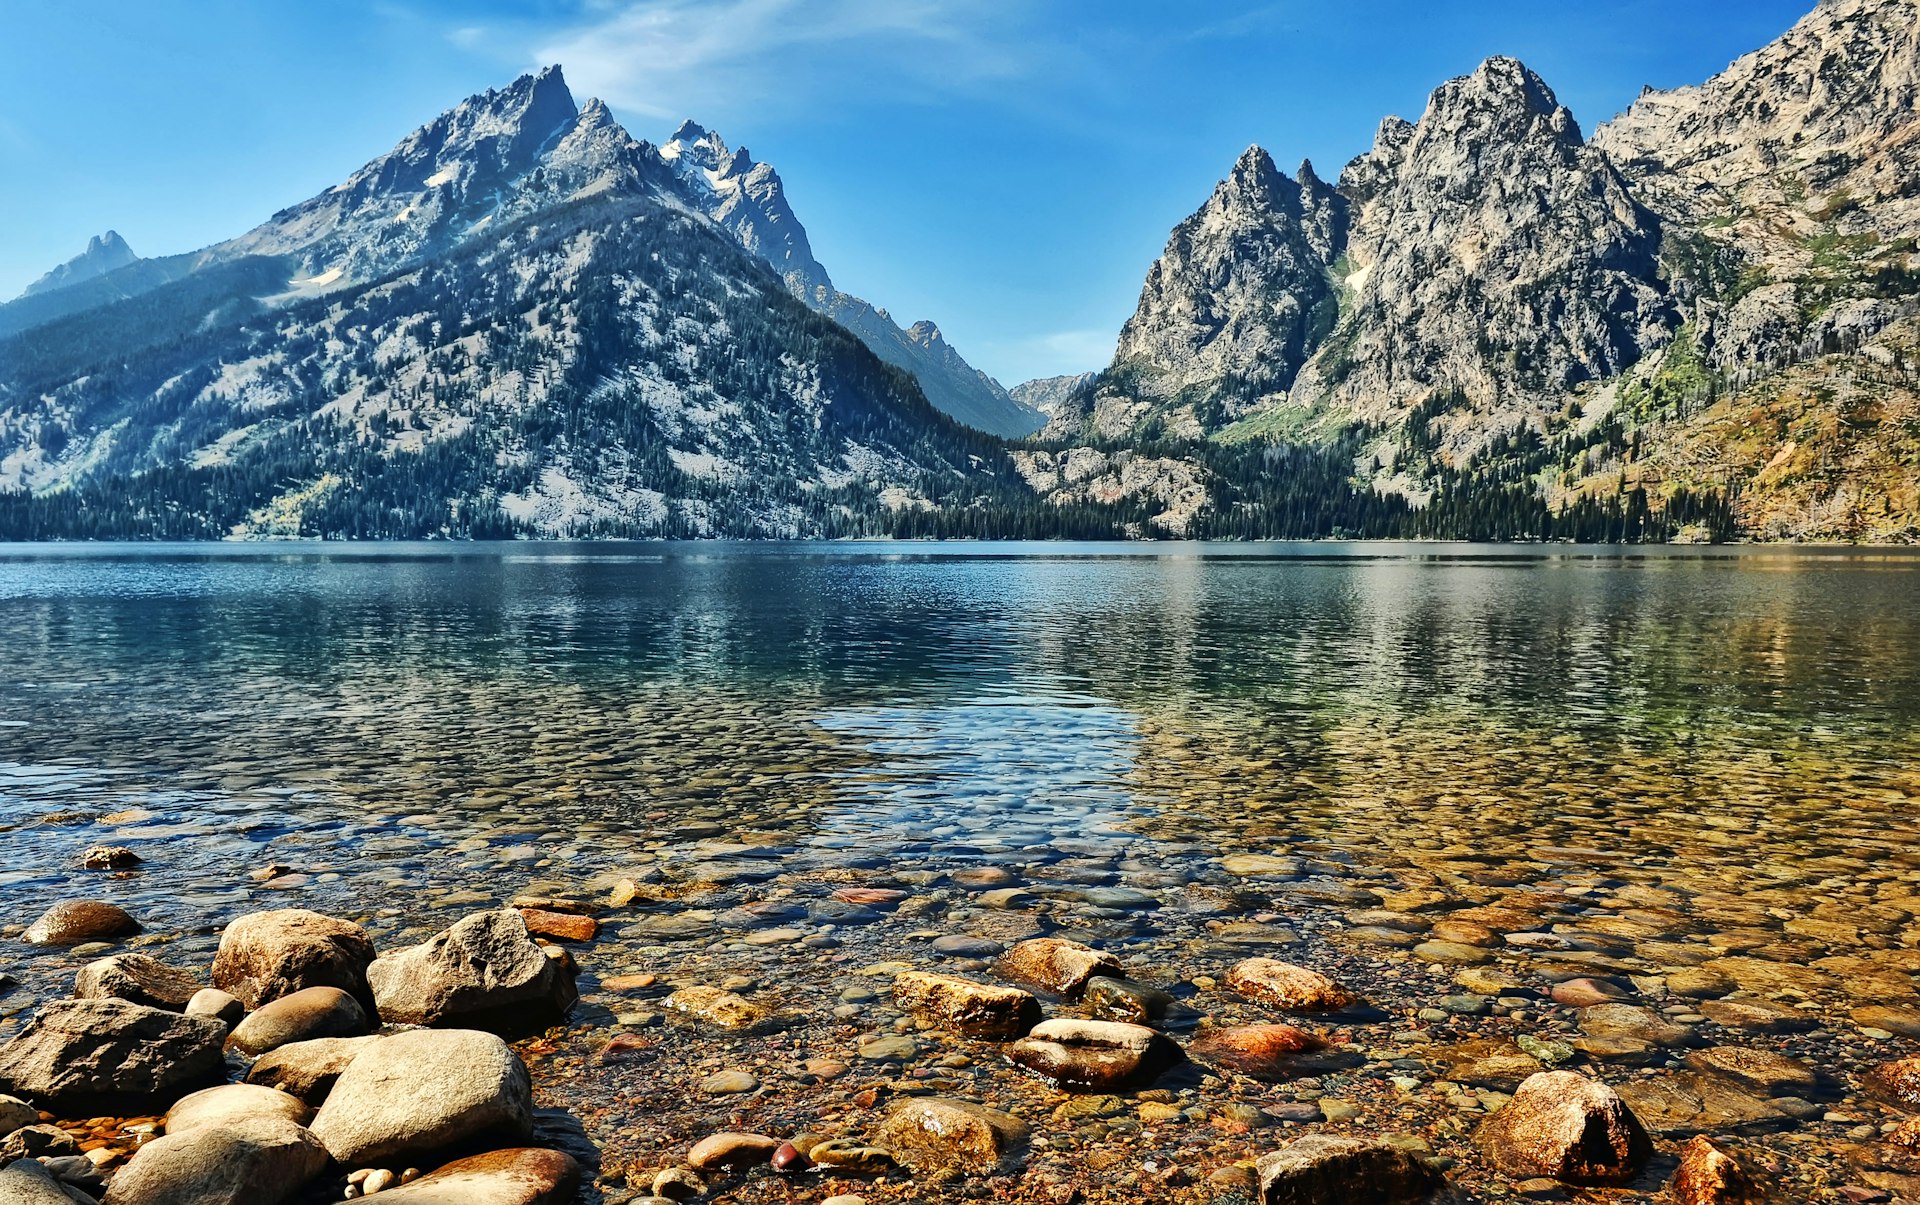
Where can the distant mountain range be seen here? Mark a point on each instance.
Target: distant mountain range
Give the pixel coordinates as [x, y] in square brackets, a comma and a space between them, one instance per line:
[1703, 322]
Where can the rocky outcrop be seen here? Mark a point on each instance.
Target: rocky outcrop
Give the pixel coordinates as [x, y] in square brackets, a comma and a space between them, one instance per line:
[1496, 262]
[484, 972]
[422, 1091]
[92, 1056]
[266, 955]
[1231, 310]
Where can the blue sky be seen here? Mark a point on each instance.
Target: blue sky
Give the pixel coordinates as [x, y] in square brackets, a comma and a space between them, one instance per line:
[1008, 168]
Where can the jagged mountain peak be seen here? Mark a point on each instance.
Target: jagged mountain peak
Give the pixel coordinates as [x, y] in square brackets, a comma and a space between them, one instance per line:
[1502, 96]
[104, 253]
[925, 333]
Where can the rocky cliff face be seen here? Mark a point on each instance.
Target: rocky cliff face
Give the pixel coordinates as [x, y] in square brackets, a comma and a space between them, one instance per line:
[1496, 262]
[1045, 394]
[1233, 307]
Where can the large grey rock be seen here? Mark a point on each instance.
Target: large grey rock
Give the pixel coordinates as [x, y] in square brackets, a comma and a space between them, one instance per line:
[317, 1012]
[1565, 1126]
[96, 1056]
[424, 1090]
[485, 972]
[247, 1161]
[266, 955]
[28, 1182]
[519, 1176]
[308, 1070]
[138, 978]
[229, 1103]
[1326, 1169]
[75, 922]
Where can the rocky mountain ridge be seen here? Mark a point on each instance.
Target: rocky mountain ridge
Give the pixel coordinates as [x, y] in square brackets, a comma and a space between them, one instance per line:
[105, 253]
[1505, 306]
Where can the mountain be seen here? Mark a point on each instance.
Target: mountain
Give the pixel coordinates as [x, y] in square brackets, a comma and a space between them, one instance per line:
[1045, 394]
[1229, 311]
[1701, 321]
[749, 200]
[104, 253]
[515, 322]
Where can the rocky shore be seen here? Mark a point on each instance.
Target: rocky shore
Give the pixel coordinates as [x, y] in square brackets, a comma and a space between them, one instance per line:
[713, 1033]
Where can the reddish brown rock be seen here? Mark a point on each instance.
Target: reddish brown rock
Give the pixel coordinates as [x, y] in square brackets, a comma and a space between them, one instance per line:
[109, 857]
[976, 1009]
[1055, 965]
[731, 1150]
[1898, 1080]
[560, 926]
[1266, 1052]
[1710, 1176]
[1289, 988]
[1586, 993]
[1565, 1126]
[266, 955]
[870, 897]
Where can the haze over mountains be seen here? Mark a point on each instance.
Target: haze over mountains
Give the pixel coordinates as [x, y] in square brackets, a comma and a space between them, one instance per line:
[1703, 321]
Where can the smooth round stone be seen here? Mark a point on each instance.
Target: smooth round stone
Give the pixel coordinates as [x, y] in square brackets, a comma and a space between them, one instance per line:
[893, 1048]
[729, 1083]
[774, 937]
[1120, 898]
[1451, 953]
[960, 945]
[1585, 993]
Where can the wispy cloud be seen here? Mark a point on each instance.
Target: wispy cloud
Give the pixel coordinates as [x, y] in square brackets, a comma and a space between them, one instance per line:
[672, 58]
[1045, 354]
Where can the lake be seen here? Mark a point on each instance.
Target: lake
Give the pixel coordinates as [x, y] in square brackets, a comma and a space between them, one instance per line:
[1667, 766]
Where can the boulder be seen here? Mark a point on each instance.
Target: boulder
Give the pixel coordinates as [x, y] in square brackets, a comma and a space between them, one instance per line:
[250, 1161]
[28, 1182]
[316, 1012]
[928, 1134]
[483, 973]
[421, 1091]
[1095, 1056]
[1324, 1169]
[1056, 966]
[90, 1057]
[266, 955]
[1287, 987]
[966, 1007]
[307, 1070]
[1565, 1126]
[1110, 999]
[213, 1003]
[138, 978]
[1708, 1175]
[519, 1176]
[76, 922]
[230, 1103]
